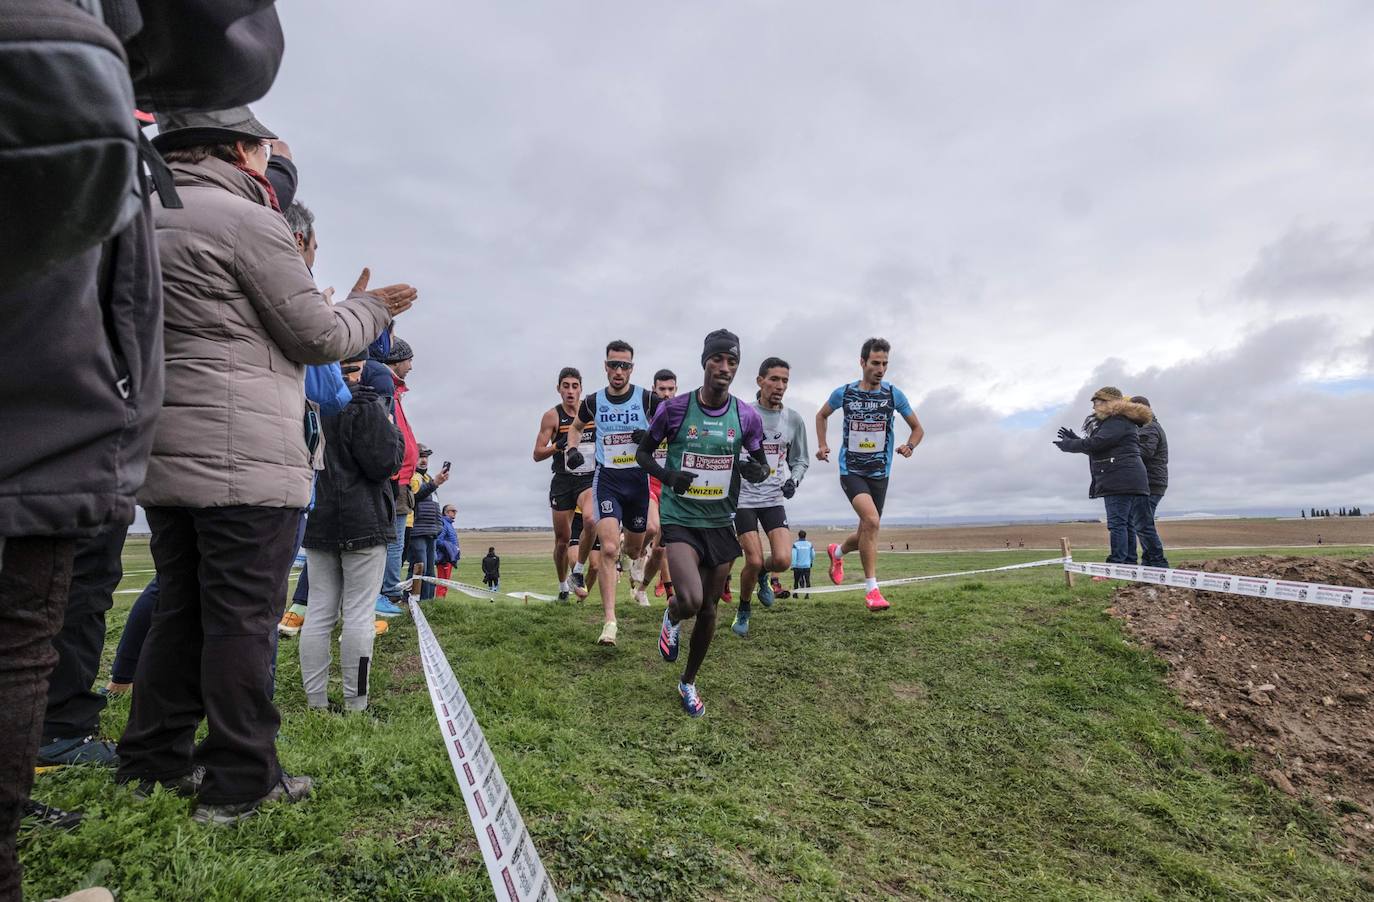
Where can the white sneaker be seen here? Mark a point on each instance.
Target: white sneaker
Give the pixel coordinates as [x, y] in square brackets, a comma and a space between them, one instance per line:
[641, 598]
[607, 634]
[637, 570]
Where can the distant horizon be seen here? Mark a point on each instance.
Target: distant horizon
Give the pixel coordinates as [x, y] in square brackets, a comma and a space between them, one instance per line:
[1265, 513]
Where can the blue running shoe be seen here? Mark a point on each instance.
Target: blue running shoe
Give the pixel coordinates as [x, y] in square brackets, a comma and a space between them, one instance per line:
[668, 639]
[691, 702]
[741, 625]
[765, 590]
[386, 609]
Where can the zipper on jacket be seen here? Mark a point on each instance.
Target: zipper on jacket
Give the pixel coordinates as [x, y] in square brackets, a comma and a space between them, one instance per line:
[123, 383]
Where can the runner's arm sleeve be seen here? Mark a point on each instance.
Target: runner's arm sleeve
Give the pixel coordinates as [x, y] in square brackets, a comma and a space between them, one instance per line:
[659, 428]
[899, 402]
[587, 412]
[798, 454]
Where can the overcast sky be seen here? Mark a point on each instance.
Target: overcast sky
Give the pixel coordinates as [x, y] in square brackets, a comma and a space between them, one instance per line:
[1028, 200]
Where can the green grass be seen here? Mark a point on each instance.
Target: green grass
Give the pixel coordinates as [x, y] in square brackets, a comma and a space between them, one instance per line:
[992, 738]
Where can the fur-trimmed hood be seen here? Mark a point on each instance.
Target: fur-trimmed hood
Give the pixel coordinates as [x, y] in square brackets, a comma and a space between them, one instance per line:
[1136, 413]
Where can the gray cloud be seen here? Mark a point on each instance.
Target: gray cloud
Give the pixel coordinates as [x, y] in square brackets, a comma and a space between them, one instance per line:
[1027, 204]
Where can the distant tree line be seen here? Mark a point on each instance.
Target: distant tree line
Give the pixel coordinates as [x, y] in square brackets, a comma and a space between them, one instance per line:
[1326, 512]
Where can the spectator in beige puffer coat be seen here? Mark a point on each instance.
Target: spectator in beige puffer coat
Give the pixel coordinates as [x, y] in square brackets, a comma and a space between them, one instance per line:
[231, 464]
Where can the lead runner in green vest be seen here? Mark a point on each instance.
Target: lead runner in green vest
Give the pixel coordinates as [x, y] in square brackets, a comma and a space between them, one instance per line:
[705, 429]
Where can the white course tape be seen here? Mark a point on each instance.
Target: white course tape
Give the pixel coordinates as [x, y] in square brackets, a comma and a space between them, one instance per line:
[516, 872]
[480, 592]
[859, 587]
[1254, 586]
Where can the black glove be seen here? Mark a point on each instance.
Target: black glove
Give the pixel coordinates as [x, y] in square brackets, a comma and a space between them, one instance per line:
[679, 481]
[789, 488]
[574, 459]
[753, 471]
[1065, 433]
[637, 436]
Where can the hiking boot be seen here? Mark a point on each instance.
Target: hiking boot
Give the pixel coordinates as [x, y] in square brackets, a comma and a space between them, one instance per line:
[187, 785]
[288, 789]
[290, 624]
[39, 815]
[78, 750]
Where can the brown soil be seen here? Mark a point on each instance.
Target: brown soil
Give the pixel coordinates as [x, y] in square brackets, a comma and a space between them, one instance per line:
[1041, 536]
[1292, 682]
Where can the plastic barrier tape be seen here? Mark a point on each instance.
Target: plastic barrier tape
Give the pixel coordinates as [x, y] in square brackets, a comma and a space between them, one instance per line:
[859, 587]
[513, 865]
[1253, 586]
[481, 592]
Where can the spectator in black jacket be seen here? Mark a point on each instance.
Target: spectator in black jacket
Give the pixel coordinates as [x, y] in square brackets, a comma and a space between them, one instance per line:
[491, 570]
[81, 303]
[1118, 472]
[424, 532]
[346, 540]
[1154, 450]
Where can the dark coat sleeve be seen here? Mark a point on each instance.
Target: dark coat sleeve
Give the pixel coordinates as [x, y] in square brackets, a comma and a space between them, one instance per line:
[1112, 430]
[374, 442]
[426, 489]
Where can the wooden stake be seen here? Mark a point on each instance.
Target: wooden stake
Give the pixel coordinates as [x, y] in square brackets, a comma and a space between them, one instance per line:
[1068, 552]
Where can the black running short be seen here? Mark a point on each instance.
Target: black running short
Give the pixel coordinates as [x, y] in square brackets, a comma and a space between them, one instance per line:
[749, 519]
[566, 488]
[865, 485]
[714, 545]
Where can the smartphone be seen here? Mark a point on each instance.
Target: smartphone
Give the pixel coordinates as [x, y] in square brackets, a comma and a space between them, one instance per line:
[447, 464]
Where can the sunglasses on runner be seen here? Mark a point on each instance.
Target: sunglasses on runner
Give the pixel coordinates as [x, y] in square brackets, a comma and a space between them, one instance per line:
[620, 364]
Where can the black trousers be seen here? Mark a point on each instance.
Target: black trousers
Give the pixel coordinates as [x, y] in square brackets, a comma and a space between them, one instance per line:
[35, 574]
[73, 707]
[209, 651]
[801, 578]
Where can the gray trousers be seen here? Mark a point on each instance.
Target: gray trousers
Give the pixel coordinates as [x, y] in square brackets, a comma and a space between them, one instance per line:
[343, 586]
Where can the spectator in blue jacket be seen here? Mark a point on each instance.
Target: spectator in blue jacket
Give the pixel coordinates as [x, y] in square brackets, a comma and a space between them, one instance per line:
[803, 554]
[447, 551]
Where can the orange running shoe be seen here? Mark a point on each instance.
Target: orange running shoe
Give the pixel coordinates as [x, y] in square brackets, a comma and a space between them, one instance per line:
[836, 563]
[875, 601]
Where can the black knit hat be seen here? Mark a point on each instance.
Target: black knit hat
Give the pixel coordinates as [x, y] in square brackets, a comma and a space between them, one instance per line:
[400, 350]
[721, 341]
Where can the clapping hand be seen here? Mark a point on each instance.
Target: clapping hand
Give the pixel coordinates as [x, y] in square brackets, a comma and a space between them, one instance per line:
[1066, 433]
[397, 298]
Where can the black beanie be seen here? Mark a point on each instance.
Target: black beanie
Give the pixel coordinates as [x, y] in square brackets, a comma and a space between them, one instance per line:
[400, 350]
[721, 341]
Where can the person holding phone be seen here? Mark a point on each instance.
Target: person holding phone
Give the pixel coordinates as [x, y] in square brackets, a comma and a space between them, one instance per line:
[424, 534]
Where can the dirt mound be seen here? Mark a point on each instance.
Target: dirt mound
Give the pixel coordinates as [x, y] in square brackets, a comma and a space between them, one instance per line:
[1293, 682]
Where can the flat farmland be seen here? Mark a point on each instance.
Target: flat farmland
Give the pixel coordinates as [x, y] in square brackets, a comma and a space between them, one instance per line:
[1219, 533]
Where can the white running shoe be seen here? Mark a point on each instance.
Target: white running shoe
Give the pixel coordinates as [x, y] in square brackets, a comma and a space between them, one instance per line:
[637, 570]
[641, 598]
[608, 634]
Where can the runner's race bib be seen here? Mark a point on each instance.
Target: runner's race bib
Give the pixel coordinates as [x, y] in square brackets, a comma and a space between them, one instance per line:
[713, 475]
[867, 437]
[775, 452]
[620, 449]
[661, 453]
[588, 452]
